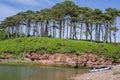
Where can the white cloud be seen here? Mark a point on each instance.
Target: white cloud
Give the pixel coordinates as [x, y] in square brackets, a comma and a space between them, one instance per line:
[26, 2]
[9, 10]
[41, 3]
[49, 2]
[6, 11]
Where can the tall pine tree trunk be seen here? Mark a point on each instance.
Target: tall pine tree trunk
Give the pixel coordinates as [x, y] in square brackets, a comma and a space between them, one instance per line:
[46, 29]
[60, 29]
[91, 32]
[81, 30]
[67, 29]
[110, 34]
[28, 28]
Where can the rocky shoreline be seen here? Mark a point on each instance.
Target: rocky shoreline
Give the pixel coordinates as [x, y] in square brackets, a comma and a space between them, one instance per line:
[88, 60]
[113, 74]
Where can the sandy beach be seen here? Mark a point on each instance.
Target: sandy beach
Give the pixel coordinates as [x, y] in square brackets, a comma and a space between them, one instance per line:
[113, 74]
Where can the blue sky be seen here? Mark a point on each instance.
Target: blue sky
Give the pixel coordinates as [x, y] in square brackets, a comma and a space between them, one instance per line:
[11, 7]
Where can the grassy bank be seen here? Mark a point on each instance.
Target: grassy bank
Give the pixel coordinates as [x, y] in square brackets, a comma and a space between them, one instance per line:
[16, 46]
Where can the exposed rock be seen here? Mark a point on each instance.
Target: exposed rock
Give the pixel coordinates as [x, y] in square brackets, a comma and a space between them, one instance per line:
[108, 62]
[86, 59]
[6, 56]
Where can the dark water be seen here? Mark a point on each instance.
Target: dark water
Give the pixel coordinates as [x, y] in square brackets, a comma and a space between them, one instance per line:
[8, 72]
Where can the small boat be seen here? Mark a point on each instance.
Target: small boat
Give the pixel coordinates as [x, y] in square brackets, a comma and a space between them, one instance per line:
[101, 69]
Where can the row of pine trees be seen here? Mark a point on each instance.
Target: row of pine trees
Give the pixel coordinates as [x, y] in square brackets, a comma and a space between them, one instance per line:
[64, 20]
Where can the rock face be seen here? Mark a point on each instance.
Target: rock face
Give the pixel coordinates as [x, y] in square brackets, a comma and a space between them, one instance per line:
[85, 60]
[6, 56]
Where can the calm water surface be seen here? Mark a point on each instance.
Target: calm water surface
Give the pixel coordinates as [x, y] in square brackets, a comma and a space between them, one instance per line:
[12, 72]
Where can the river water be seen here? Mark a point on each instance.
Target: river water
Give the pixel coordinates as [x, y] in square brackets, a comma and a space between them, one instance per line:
[23, 72]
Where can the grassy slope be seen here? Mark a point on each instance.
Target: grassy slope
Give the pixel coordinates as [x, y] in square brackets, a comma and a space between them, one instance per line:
[53, 45]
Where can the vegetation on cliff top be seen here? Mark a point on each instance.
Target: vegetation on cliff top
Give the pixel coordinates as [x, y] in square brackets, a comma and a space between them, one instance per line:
[41, 45]
[66, 21]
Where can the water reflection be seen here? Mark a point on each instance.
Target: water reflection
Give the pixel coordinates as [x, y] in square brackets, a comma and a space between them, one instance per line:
[36, 73]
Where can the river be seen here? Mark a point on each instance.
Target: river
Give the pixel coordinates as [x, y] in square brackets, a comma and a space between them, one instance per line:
[35, 72]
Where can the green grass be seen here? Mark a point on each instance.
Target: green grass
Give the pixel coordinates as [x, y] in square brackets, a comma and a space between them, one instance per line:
[53, 45]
